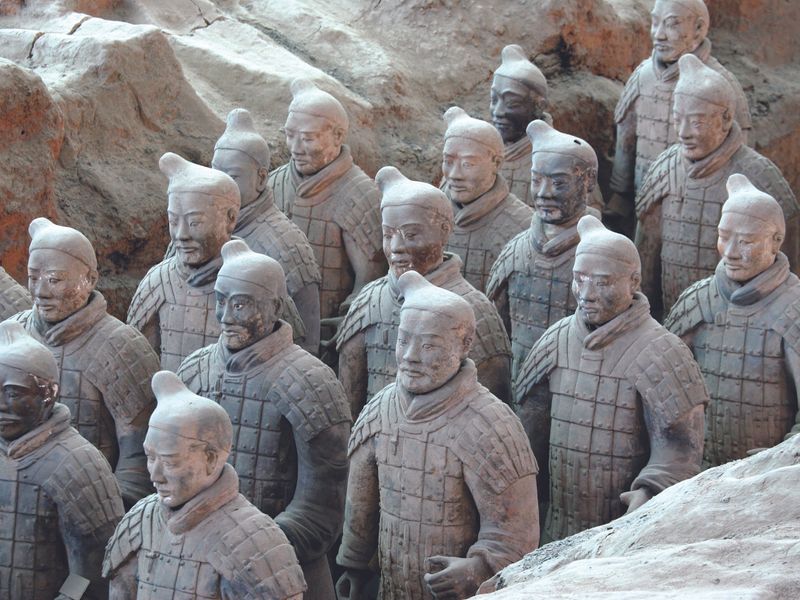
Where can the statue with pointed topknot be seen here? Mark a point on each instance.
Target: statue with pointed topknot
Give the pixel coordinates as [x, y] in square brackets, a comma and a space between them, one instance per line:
[417, 221]
[442, 479]
[243, 154]
[59, 502]
[330, 199]
[612, 402]
[530, 283]
[104, 365]
[13, 297]
[645, 127]
[197, 536]
[291, 420]
[679, 204]
[743, 326]
[486, 214]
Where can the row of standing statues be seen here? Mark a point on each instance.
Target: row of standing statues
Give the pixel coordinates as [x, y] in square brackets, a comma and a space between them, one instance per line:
[534, 362]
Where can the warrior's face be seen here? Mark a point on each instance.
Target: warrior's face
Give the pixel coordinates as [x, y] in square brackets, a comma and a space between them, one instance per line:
[560, 185]
[429, 352]
[513, 106]
[314, 141]
[198, 226]
[701, 126]
[59, 283]
[469, 169]
[413, 238]
[603, 288]
[245, 314]
[747, 246]
[25, 401]
[246, 172]
[674, 30]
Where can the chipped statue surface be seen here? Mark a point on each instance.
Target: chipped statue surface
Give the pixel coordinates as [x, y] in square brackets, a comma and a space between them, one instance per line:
[197, 536]
[612, 402]
[442, 480]
[291, 420]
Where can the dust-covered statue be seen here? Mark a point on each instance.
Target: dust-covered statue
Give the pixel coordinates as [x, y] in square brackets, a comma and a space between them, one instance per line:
[612, 402]
[417, 221]
[486, 214]
[442, 479]
[679, 204]
[13, 297]
[530, 283]
[743, 326]
[197, 536]
[291, 420]
[104, 365]
[59, 502]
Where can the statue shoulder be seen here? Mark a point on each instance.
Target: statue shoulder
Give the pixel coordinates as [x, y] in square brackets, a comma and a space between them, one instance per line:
[371, 419]
[150, 295]
[694, 306]
[506, 263]
[630, 92]
[660, 179]
[364, 310]
[128, 537]
[542, 358]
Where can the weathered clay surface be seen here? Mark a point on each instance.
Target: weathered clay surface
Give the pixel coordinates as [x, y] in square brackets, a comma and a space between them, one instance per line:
[730, 532]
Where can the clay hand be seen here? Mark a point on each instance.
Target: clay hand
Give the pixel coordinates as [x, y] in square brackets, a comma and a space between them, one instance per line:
[352, 585]
[333, 323]
[635, 498]
[453, 578]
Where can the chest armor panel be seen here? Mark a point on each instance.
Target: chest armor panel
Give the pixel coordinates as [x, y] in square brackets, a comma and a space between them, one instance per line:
[654, 130]
[689, 233]
[187, 323]
[752, 401]
[598, 443]
[32, 557]
[478, 249]
[426, 507]
[517, 174]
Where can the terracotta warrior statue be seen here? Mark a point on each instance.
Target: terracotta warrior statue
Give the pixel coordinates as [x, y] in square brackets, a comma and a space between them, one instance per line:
[104, 365]
[13, 297]
[417, 221]
[611, 400]
[486, 214]
[518, 96]
[243, 154]
[442, 479]
[197, 536]
[329, 198]
[644, 113]
[742, 326]
[59, 501]
[291, 419]
[679, 204]
[531, 281]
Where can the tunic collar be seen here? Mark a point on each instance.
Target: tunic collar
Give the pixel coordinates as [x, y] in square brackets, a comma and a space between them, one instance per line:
[63, 332]
[566, 239]
[255, 209]
[424, 407]
[636, 315]
[207, 502]
[440, 276]
[257, 354]
[719, 158]
[761, 286]
[38, 436]
[670, 72]
[470, 215]
[313, 185]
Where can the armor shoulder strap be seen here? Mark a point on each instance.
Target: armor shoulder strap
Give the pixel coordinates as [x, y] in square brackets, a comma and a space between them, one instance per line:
[120, 363]
[13, 297]
[128, 537]
[542, 358]
[309, 395]
[195, 370]
[149, 296]
[491, 338]
[787, 324]
[83, 486]
[370, 420]
[362, 312]
[693, 307]
[493, 444]
[658, 181]
[359, 211]
[666, 376]
[629, 93]
[505, 265]
[283, 189]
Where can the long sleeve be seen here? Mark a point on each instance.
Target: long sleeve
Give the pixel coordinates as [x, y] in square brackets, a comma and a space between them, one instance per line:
[362, 510]
[648, 242]
[624, 165]
[793, 366]
[353, 372]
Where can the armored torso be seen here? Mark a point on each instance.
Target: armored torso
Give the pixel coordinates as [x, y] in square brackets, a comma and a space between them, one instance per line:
[516, 169]
[13, 297]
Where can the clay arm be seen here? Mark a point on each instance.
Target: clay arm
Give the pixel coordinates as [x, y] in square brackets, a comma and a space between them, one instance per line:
[353, 372]
[123, 584]
[85, 555]
[648, 242]
[791, 243]
[534, 412]
[365, 268]
[499, 298]
[494, 373]
[623, 168]
[312, 520]
[793, 366]
[131, 470]
[307, 302]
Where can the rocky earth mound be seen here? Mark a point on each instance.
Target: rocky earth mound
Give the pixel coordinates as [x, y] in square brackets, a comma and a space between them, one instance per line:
[96, 90]
[730, 533]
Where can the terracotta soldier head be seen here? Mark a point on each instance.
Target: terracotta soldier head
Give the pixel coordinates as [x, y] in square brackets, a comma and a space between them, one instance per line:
[251, 293]
[434, 336]
[29, 380]
[188, 441]
[607, 272]
[751, 230]
[563, 173]
[202, 209]
[518, 96]
[62, 270]
[315, 128]
[472, 155]
[243, 154]
[703, 108]
[417, 221]
[677, 27]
